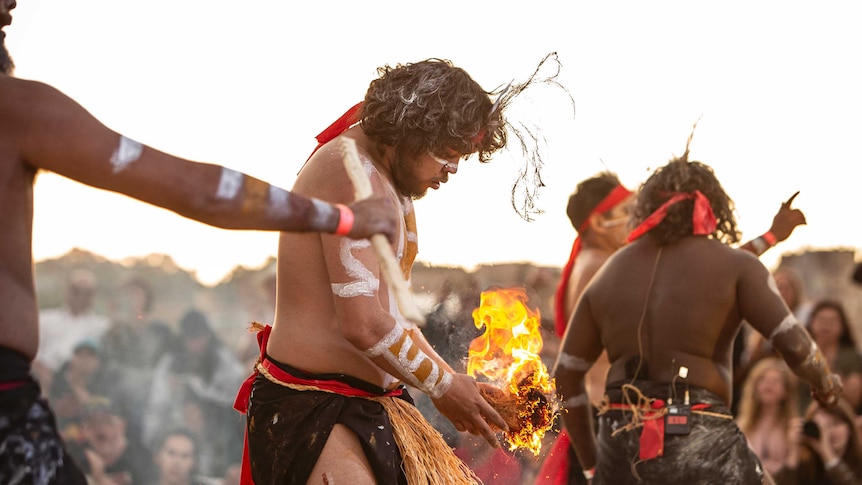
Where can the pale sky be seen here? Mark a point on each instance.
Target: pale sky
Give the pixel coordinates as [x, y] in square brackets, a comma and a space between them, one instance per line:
[776, 86]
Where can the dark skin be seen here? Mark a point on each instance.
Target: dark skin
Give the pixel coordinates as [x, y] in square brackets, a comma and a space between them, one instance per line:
[43, 129]
[701, 292]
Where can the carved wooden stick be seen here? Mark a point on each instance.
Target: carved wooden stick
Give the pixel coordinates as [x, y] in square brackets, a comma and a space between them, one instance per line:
[388, 264]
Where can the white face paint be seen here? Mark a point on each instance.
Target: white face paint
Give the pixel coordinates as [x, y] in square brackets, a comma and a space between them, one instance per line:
[127, 152]
[573, 363]
[364, 282]
[229, 184]
[788, 323]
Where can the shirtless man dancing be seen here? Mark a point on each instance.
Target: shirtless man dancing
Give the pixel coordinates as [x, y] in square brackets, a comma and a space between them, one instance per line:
[42, 129]
[328, 404]
[600, 211]
[666, 308]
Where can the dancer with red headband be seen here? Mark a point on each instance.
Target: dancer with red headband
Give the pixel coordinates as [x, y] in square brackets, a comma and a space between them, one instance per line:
[328, 402]
[666, 308]
[599, 210]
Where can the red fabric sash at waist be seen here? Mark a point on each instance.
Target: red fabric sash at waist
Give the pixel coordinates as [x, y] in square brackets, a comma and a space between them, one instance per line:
[330, 385]
[10, 385]
[652, 435]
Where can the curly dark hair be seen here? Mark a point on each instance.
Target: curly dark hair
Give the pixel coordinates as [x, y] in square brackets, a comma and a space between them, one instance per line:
[431, 106]
[680, 175]
[587, 196]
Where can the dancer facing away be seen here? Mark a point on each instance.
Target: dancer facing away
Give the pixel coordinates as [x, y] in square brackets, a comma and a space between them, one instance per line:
[666, 308]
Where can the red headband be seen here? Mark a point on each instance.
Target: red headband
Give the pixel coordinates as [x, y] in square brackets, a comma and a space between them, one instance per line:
[609, 202]
[339, 126]
[702, 217]
[617, 195]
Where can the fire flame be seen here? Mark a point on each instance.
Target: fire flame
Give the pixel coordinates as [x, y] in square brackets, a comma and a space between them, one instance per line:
[506, 355]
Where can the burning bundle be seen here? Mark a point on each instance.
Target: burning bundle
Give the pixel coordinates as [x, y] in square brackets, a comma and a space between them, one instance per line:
[507, 358]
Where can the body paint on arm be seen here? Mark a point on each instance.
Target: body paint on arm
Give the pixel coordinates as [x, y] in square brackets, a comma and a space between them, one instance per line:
[127, 152]
[422, 372]
[229, 184]
[573, 363]
[364, 282]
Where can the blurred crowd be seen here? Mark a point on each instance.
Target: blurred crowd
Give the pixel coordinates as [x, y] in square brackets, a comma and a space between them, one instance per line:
[143, 401]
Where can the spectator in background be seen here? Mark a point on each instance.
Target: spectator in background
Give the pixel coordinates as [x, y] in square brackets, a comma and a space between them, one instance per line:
[131, 348]
[135, 339]
[830, 329]
[194, 385]
[60, 329]
[830, 452]
[107, 455]
[232, 475]
[78, 381]
[769, 414]
[176, 458]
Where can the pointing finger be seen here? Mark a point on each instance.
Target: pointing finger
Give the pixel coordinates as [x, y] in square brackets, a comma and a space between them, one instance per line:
[790, 200]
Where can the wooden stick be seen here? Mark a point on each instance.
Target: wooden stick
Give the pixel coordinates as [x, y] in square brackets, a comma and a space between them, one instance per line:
[388, 264]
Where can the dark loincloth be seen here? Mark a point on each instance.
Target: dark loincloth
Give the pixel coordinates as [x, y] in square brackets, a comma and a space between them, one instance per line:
[288, 428]
[715, 451]
[31, 449]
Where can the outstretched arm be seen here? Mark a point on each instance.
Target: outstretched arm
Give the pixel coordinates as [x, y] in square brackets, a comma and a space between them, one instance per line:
[53, 132]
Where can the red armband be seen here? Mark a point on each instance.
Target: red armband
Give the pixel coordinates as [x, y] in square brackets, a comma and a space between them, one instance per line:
[345, 220]
[769, 238]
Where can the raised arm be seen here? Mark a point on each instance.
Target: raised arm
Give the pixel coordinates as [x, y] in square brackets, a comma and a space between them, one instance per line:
[55, 133]
[783, 224]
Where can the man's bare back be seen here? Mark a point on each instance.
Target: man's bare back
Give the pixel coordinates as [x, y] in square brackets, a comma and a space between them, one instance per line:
[679, 327]
[675, 297]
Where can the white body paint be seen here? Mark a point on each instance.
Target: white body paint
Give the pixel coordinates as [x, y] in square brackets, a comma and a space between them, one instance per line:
[127, 152]
[229, 184]
[572, 362]
[363, 282]
[323, 211]
[788, 323]
[408, 366]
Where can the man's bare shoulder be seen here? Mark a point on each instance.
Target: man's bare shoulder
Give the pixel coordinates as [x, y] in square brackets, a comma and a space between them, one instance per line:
[17, 93]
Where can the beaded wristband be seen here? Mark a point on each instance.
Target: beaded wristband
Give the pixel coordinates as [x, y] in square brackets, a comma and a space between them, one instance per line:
[345, 220]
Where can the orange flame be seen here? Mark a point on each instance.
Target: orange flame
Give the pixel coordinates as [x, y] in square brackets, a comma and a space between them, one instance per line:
[507, 355]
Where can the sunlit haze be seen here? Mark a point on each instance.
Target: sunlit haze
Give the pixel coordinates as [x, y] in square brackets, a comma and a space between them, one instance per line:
[775, 85]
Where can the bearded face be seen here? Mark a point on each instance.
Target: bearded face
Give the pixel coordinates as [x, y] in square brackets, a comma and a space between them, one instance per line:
[405, 177]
